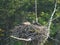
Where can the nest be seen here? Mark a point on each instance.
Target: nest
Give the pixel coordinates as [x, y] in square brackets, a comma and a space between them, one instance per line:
[26, 30]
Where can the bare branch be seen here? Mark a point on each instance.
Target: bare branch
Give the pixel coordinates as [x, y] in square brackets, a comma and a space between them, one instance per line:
[50, 21]
[36, 11]
[29, 39]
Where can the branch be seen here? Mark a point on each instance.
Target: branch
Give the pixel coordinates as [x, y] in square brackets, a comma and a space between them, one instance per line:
[50, 21]
[29, 39]
[36, 11]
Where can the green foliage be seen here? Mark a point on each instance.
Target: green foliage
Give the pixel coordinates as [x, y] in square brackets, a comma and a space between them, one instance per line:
[14, 12]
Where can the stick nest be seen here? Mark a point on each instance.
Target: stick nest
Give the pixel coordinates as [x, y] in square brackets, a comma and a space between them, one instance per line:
[33, 31]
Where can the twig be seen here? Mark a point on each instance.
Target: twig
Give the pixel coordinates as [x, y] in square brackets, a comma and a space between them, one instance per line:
[55, 18]
[52, 38]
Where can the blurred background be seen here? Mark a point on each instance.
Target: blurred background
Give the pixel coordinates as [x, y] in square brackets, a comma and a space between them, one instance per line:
[14, 12]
